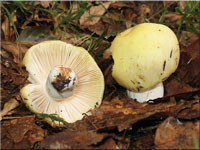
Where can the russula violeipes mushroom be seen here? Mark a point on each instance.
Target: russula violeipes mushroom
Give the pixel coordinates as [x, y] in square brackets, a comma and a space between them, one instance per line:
[65, 80]
[145, 56]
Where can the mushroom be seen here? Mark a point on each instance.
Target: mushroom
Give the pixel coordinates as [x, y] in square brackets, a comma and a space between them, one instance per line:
[145, 56]
[65, 80]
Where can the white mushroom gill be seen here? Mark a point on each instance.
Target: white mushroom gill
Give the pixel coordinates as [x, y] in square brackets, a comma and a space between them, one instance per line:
[49, 64]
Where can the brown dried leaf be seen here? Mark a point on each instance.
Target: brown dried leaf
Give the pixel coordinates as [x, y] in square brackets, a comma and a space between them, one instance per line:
[14, 49]
[181, 5]
[187, 38]
[8, 106]
[122, 113]
[187, 76]
[130, 15]
[98, 28]
[173, 17]
[7, 27]
[13, 74]
[109, 144]
[20, 133]
[173, 134]
[143, 12]
[86, 20]
[77, 139]
[45, 3]
[107, 54]
[120, 4]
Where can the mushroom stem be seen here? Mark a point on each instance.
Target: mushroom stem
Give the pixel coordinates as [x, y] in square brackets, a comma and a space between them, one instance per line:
[150, 94]
[61, 82]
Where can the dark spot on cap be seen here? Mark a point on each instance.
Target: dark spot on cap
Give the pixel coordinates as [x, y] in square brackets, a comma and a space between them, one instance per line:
[159, 29]
[171, 53]
[132, 81]
[164, 64]
[139, 88]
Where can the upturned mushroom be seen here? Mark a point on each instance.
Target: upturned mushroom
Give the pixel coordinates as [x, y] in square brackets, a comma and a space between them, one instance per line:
[145, 56]
[64, 80]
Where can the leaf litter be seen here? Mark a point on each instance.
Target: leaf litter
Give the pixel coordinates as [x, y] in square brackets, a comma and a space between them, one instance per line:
[119, 122]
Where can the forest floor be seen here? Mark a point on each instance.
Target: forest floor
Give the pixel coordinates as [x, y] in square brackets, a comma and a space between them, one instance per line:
[170, 122]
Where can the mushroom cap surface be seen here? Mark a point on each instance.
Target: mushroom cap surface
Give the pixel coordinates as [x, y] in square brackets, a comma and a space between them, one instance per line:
[88, 93]
[144, 56]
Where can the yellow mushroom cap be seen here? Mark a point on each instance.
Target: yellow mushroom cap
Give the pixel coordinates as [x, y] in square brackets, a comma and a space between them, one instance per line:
[40, 59]
[144, 56]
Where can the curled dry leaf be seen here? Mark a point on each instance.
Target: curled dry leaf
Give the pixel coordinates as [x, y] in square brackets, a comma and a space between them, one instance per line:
[8, 106]
[99, 10]
[21, 133]
[173, 17]
[181, 5]
[174, 134]
[7, 27]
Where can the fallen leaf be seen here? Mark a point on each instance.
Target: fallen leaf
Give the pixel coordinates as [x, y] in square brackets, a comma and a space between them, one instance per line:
[7, 27]
[107, 54]
[8, 106]
[14, 49]
[120, 4]
[21, 133]
[130, 15]
[45, 3]
[13, 73]
[174, 134]
[143, 12]
[108, 144]
[99, 10]
[187, 76]
[77, 139]
[181, 5]
[173, 17]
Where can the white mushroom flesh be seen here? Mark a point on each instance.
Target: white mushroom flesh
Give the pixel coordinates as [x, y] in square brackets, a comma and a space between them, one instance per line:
[61, 82]
[150, 94]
